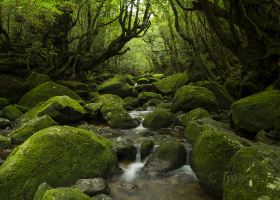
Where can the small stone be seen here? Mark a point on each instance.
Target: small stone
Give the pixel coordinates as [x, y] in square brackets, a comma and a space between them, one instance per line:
[92, 187]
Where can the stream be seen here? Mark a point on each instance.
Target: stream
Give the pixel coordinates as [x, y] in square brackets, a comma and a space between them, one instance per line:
[134, 184]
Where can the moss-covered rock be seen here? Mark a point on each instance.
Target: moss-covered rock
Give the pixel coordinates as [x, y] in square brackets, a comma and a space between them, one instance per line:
[130, 103]
[75, 85]
[42, 189]
[35, 79]
[11, 112]
[11, 87]
[257, 112]
[167, 157]
[65, 194]
[188, 98]
[114, 113]
[143, 80]
[145, 97]
[270, 138]
[93, 186]
[4, 123]
[193, 115]
[117, 85]
[58, 155]
[93, 111]
[62, 109]
[254, 173]
[146, 148]
[22, 133]
[212, 151]
[3, 102]
[45, 91]
[5, 142]
[159, 118]
[223, 97]
[170, 84]
[125, 149]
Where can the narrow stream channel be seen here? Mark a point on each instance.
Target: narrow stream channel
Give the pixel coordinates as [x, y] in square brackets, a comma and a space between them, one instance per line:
[134, 184]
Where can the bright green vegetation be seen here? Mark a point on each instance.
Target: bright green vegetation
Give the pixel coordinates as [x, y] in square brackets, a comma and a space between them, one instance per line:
[58, 155]
[45, 91]
[254, 174]
[188, 98]
[62, 109]
[256, 112]
[5, 142]
[11, 112]
[193, 115]
[159, 118]
[65, 194]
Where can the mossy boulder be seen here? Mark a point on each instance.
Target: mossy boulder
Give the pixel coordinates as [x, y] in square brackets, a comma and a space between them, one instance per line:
[159, 118]
[42, 189]
[167, 157]
[189, 97]
[114, 113]
[211, 156]
[143, 80]
[35, 79]
[62, 109]
[93, 111]
[11, 87]
[146, 148]
[3, 102]
[11, 112]
[65, 194]
[93, 186]
[118, 85]
[58, 155]
[224, 99]
[22, 133]
[145, 97]
[131, 103]
[254, 173]
[193, 115]
[75, 85]
[45, 91]
[5, 142]
[257, 112]
[170, 84]
[268, 137]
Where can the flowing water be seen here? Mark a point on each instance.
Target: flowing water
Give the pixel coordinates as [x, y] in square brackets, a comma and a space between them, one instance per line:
[134, 184]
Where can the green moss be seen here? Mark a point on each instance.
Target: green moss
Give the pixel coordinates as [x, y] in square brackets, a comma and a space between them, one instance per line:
[146, 148]
[5, 142]
[117, 85]
[42, 189]
[62, 109]
[4, 123]
[172, 83]
[143, 81]
[144, 97]
[45, 91]
[35, 79]
[254, 173]
[74, 85]
[223, 97]
[211, 155]
[159, 118]
[65, 194]
[22, 133]
[193, 115]
[58, 155]
[130, 103]
[257, 112]
[3, 102]
[188, 98]
[11, 112]
[93, 110]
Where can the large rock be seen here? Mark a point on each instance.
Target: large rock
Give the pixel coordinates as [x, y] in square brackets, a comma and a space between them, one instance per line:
[213, 148]
[188, 98]
[62, 109]
[167, 157]
[159, 118]
[145, 97]
[117, 85]
[170, 84]
[257, 112]
[11, 87]
[45, 91]
[58, 155]
[114, 113]
[223, 97]
[22, 133]
[92, 187]
[35, 79]
[11, 112]
[125, 149]
[65, 194]
[254, 173]
[193, 115]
